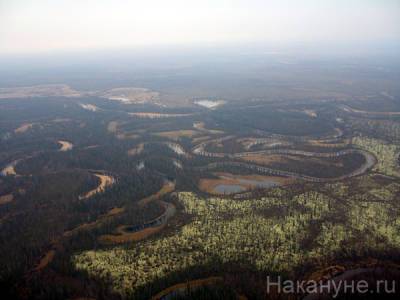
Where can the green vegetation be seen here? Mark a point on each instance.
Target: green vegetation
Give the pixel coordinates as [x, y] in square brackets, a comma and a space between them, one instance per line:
[245, 231]
[387, 154]
[387, 129]
[290, 231]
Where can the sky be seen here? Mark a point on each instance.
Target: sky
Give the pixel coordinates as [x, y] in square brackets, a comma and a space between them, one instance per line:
[40, 26]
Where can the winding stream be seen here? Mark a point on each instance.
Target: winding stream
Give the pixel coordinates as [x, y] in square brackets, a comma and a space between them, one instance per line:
[370, 161]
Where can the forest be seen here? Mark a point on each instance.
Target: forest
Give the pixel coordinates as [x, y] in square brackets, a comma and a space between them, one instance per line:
[106, 200]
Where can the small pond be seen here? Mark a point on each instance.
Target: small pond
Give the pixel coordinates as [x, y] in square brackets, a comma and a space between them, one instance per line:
[228, 188]
[241, 186]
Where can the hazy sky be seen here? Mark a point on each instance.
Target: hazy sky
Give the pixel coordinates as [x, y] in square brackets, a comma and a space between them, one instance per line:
[47, 25]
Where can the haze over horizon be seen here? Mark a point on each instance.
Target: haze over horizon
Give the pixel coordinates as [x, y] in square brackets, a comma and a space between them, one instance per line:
[32, 27]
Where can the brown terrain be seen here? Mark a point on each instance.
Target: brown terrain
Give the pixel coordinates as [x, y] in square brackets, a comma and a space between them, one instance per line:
[105, 181]
[175, 135]
[6, 199]
[23, 128]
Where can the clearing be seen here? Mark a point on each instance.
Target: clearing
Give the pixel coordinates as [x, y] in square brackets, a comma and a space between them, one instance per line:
[137, 150]
[6, 199]
[157, 115]
[23, 128]
[48, 90]
[131, 95]
[10, 169]
[201, 126]
[211, 104]
[175, 135]
[65, 146]
[105, 181]
[89, 107]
